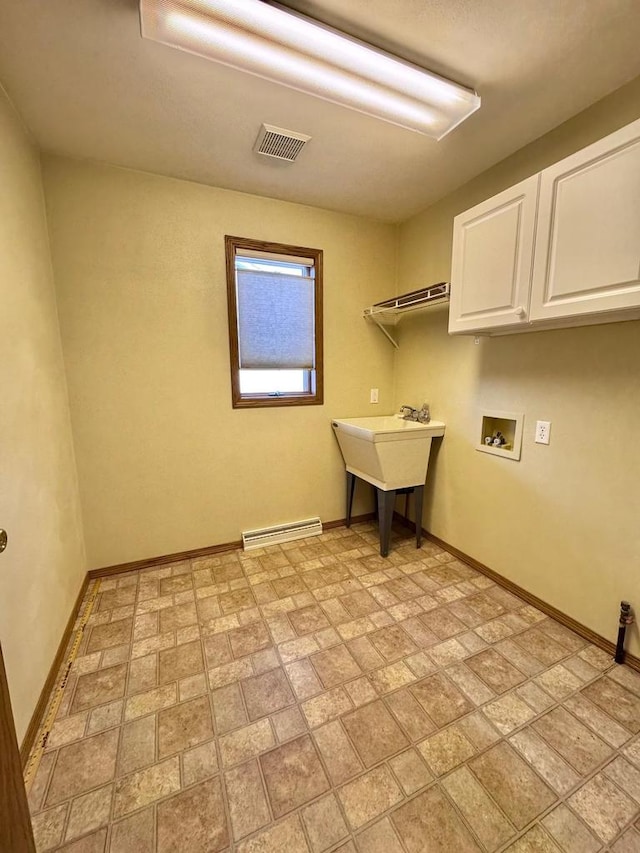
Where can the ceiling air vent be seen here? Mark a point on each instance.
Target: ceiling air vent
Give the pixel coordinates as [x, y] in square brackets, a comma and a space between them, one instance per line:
[279, 143]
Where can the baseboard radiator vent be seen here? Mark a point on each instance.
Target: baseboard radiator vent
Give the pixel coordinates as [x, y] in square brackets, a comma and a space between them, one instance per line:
[282, 533]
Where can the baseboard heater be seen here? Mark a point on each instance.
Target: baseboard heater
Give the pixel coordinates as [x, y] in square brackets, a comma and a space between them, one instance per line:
[282, 533]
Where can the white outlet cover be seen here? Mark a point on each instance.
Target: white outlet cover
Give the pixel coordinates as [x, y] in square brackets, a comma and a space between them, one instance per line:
[543, 430]
[374, 395]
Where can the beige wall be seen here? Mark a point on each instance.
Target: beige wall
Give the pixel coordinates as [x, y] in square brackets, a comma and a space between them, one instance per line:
[164, 462]
[564, 522]
[43, 567]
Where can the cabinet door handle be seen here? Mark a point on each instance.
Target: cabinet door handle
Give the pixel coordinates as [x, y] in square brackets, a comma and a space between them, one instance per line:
[521, 312]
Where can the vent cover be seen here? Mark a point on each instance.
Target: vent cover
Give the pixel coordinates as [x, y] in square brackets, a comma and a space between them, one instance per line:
[282, 533]
[280, 144]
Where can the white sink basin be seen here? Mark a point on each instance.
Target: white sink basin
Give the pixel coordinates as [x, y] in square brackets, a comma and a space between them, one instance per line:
[387, 451]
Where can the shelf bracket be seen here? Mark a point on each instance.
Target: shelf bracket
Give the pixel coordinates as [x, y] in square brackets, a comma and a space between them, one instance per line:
[383, 330]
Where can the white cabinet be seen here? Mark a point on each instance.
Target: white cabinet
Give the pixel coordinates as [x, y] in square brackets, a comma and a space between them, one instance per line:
[561, 248]
[492, 260]
[587, 254]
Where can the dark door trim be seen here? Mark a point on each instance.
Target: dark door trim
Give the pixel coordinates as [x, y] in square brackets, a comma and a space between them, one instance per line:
[16, 834]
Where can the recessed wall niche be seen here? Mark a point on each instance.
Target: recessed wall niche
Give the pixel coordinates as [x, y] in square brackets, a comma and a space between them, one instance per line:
[501, 434]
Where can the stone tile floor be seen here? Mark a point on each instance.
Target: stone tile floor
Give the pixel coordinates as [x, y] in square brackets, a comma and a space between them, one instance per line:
[315, 697]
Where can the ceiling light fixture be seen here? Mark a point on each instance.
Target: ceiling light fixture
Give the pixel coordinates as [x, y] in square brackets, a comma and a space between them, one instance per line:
[300, 53]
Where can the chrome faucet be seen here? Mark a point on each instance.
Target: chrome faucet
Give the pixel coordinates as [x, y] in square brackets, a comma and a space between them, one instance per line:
[408, 413]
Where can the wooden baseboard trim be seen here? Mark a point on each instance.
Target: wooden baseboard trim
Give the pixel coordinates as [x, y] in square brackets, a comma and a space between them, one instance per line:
[45, 694]
[342, 522]
[529, 597]
[195, 553]
[151, 562]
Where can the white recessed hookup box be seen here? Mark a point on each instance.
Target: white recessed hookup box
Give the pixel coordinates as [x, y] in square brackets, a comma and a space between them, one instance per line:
[501, 433]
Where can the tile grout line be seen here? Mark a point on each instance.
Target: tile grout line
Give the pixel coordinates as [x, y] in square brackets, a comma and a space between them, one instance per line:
[223, 771]
[216, 735]
[297, 810]
[437, 780]
[561, 798]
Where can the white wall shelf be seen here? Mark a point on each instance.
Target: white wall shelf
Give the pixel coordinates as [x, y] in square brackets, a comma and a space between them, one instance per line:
[389, 312]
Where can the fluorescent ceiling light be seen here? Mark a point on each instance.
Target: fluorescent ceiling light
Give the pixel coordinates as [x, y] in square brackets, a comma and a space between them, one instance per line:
[295, 51]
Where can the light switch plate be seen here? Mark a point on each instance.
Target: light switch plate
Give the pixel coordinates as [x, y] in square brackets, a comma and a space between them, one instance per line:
[373, 398]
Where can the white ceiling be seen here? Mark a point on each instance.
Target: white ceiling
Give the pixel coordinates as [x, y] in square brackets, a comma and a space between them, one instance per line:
[89, 86]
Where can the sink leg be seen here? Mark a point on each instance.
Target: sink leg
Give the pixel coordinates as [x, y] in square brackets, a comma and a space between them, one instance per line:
[386, 503]
[418, 495]
[351, 484]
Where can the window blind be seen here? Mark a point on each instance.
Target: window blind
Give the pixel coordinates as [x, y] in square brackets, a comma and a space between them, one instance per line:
[275, 256]
[275, 320]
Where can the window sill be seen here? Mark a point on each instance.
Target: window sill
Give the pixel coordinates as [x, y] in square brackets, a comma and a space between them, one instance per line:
[268, 401]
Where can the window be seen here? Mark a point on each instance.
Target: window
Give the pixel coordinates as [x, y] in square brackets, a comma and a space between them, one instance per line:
[274, 294]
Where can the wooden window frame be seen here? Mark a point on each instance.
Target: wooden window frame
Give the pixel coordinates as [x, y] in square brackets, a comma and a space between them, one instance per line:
[315, 397]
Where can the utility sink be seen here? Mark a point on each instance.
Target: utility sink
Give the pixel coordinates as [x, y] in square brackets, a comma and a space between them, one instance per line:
[388, 452]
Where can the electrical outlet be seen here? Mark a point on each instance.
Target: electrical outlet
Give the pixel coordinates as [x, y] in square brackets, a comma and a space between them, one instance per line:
[374, 395]
[543, 428]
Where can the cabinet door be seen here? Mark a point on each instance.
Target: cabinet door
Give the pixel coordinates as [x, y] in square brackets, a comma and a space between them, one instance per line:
[587, 255]
[492, 261]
